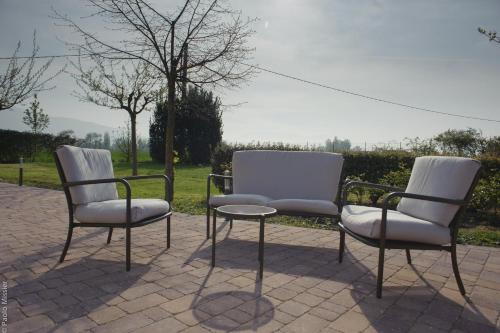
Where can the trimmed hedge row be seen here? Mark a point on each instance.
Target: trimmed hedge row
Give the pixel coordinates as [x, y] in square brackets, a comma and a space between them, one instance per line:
[14, 144]
[368, 166]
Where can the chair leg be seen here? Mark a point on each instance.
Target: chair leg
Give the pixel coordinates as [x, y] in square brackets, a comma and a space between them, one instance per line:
[168, 232]
[380, 275]
[208, 222]
[408, 256]
[342, 245]
[455, 269]
[127, 249]
[230, 223]
[110, 233]
[66, 246]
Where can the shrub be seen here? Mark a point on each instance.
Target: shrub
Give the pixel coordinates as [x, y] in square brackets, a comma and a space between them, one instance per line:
[389, 167]
[486, 196]
[15, 144]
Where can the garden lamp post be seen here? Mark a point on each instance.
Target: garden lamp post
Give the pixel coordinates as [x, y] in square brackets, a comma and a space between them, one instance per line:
[21, 167]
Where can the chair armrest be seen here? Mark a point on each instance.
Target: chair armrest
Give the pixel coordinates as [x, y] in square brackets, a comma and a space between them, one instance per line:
[105, 181]
[385, 205]
[353, 184]
[213, 175]
[423, 197]
[168, 183]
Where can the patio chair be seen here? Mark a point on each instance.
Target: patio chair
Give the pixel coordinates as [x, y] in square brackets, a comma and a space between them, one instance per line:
[426, 218]
[89, 184]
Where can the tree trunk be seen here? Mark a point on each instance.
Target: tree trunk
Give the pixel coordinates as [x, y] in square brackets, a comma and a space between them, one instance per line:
[133, 136]
[169, 135]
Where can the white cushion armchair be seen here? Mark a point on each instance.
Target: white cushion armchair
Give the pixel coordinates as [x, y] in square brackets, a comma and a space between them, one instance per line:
[427, 216]
[90, 187]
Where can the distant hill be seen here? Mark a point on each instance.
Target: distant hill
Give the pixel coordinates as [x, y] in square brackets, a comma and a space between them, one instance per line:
[12, 119]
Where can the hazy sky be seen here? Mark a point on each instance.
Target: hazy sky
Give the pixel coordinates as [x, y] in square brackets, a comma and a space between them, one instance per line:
[423, 53]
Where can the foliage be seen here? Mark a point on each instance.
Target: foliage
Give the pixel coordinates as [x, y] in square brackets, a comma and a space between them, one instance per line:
[492, 35]
[421, 146]
[391, 167]
[487, 194]
[22, 79]
[198, 128]
[131, 87]
[123, 142]
[106, 141]
[202, 42]
[460, 142]
[92, 140]
[337, 145]
[491, 147]
[14, 144]
[397, 178]
[35, 118]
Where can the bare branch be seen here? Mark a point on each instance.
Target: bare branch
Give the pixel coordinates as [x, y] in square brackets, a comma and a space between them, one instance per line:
[23, 79]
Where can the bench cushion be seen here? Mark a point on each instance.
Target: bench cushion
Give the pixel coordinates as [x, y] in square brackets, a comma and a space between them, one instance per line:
[439, 176]
[305, 206]
[287, 175]
[238, 199]
[114, 211]
[88, 164]
[365, 221]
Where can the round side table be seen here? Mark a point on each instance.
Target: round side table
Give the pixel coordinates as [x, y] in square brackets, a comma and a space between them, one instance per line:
[244, 212]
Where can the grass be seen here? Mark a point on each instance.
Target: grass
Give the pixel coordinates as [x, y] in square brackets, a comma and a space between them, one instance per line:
[189, 185]
[190, 189]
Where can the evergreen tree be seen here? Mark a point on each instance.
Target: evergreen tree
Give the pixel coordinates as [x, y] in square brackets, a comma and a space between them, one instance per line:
[198, 128]
[35, 118]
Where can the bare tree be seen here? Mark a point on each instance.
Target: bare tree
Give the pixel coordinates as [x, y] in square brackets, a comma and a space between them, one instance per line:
[22, 78]
[117, 85]
[216, 36]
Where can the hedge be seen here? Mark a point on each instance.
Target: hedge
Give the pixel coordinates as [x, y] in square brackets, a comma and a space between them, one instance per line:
[15, 144]
[377, 167]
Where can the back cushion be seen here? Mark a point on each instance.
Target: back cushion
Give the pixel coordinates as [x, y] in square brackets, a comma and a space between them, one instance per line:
[287, 175]
[88, 164]
[439, 176]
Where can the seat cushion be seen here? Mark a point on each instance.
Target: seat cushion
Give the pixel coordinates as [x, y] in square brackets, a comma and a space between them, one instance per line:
[87, 164]
[114, 211]
[365, 221]
[439, 176]
[238, 199]
[287, 174]
[305, 206]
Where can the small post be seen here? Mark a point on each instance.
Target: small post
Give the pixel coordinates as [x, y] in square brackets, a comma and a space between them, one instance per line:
[21, 167]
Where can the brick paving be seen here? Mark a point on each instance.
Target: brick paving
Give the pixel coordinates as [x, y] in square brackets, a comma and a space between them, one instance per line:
[304, 288]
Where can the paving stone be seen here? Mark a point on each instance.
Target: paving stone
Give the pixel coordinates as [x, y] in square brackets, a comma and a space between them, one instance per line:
[350, 321]
[304, 288]
[142, 303]
[165, 325]
[31, 324]
[129, 323]
[107, 314]
[294, 308]
[306, 324]
[75, 325]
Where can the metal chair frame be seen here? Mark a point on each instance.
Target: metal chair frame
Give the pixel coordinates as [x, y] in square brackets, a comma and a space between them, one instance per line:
[382, 243]
[128, 225]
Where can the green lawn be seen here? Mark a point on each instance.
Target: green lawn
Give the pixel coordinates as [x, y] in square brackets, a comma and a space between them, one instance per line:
[189, 186]
[190, 193]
